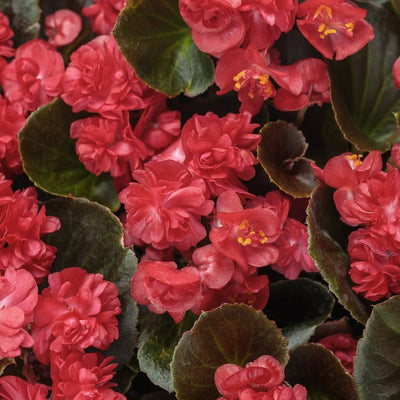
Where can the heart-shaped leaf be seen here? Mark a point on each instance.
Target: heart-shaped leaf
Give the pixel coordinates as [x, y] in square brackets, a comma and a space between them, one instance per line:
[49, 157]
[364, 97]
[298, 307]
[281, 153]
[91, 238]
[232, 333]
[377, 363]
[328, 244]
[24, 19]
[321, 372]
[157, 43]
[159, 335]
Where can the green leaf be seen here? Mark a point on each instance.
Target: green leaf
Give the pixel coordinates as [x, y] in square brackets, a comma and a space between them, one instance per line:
[157, 43]
[377, 363]
[159, 335]
[327, 246]
[281, 153]
[321, 372]
[91, 238]
[24, 19]
[298, 307]
[232, 333]
[364, 97]
[49, 157]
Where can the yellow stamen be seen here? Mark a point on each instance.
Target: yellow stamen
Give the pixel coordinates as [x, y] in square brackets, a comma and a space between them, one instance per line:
[237, 79]
[321, 28]
[263, 79]
[244, 242]
[321, 8]
[264, 240]
[329, 31]
[349, 26]
[244, 224]
[356, 158]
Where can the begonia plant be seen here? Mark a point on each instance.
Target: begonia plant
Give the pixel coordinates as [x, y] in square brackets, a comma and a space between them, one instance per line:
[199, 199]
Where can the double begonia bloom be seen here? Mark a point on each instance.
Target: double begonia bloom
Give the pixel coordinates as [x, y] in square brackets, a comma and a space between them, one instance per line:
[62, 27]
[6, 34]
[98, 79]
[315, 88]
[80, 376]
[343, 346]
[103, 15]
[76, 311]
[34, 76]
[18, 299]
[14, 388]
[220, 150]
[22, 226]
[108, 145]
[217, 25]
[164, 206]
[12, 120]
[248, 72]
[336, 28]
[163, 288]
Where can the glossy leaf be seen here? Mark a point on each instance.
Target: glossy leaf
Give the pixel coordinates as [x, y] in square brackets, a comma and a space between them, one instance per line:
[321, 372]
[281, 152]
[232, 333]
[91, 238]
[159, 335]
[377, 364]
[364, 97]
[158, 44]
[49, 157]
[327, 246]
[298, 307]
[24, 19]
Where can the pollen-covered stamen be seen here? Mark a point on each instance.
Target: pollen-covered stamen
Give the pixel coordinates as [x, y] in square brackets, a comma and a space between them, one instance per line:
[256, 84]
[248, 236]
[327, 11]
[355, 159]
[239, 79]
[326, 28]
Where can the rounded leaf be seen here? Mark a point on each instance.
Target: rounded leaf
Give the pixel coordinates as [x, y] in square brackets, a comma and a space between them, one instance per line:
[327, 246]
[377, 363]
[321, 372]
[281, 152]
[50, 160]
[157, 43]
[298, 307]
[232, 333]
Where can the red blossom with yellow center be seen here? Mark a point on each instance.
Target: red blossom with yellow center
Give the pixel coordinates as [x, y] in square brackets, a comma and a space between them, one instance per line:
[336, 28]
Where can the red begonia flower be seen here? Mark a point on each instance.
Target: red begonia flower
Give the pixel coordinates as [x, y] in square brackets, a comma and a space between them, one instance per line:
[220, 150]
[76, 311]
[262, 374]
[6, 34]
[12, 120]
[62, 27]
[248, 72]
[315, 89]
[80, 376]
[343, 346]
[34, 77]
[336, 28]
[14, 388]
[22, 226]
[165, 206]
[350, 170]
[98, 79]
[18, 299]
[396, 73]
[163, 288]
[103, 14]
[375, 271]
[108, 145]
[283, 392]
[293, 256]
[217, 26]
[248, 236]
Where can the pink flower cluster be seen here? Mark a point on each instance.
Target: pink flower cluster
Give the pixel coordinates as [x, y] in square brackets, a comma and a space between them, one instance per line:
[367, 197]
[242, 32]
[261, 379]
